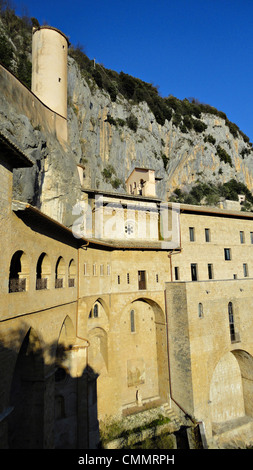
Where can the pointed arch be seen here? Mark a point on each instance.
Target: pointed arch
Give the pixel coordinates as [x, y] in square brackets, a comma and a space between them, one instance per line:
[26, 422]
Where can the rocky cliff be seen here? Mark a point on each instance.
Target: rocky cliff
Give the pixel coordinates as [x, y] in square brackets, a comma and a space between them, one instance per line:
[110, 136]
[100, 137]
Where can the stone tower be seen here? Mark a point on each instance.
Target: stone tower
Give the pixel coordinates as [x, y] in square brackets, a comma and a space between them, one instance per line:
[49, 68]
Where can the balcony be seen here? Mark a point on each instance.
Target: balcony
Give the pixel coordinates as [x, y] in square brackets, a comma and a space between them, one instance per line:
[17, 285]
[58, 283]
[41, 284]
[71, 282]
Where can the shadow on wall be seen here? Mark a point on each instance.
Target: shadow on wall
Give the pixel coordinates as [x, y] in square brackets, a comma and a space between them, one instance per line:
[42, 405]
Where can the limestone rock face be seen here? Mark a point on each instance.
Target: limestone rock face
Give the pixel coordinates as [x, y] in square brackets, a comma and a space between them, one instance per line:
[100, 139]
[181, 159]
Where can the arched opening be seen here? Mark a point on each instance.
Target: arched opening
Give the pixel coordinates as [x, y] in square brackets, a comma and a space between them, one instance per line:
[66, 390]
[26, 422]
[72, 273]
[19, 272]
[143, 349]
[59, 273]
[98, 391]
[43, 271]
[231, 389]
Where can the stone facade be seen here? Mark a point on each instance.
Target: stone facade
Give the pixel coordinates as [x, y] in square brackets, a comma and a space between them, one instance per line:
[97, 323]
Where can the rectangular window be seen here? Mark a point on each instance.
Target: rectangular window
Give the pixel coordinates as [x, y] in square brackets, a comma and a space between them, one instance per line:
[118, 279]
[142, 280]
[108, 270]
[207, 235]
[227, 254]
[194, 272]
[85, 269]
[210, 271]
[94, 269]
[132, 321]
[242, 239]
[245, 270]
[176, 271]
[128, 278]
[157, 278]
[191, 234]
[101, 269]
[251, 237]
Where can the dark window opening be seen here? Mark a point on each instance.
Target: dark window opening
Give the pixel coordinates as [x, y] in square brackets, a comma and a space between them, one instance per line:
[142, 280]
[194, 273]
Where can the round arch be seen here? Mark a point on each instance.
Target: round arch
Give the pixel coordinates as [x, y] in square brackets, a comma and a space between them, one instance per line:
[231, 387]
[143, 349]
[19, 272]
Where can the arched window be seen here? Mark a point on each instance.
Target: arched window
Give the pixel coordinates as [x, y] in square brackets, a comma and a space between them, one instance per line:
[200, 310]
[18, 272]
[43, 271]
[132, 321]
[94, 312]
[72, 273]
[59, 273]
[231, 321]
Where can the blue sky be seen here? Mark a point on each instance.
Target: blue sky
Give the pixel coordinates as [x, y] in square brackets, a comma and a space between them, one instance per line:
[188, 48]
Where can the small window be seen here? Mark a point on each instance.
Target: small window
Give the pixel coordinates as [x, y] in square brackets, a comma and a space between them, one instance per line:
[242, 239]
[251, 238]
[194, 272]
[132, 321]
[101, 269]
[128, 278]
[227, 254]
[210, 271]
[200, 310]
[118, 279]
[207, 235]
[245, 270]
[108, 270]
[157, 278]
[94, 269]
[95, 311]
[192, 234]
[85, 269]
[176, 271]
